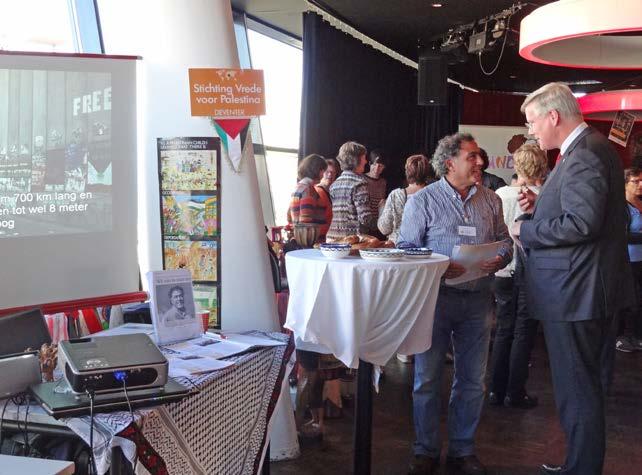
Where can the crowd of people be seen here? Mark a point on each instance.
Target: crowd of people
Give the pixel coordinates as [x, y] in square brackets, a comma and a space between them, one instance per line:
[562, 261]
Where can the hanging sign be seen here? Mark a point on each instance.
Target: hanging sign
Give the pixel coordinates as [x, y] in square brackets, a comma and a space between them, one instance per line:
[227, 93]
[621, 128]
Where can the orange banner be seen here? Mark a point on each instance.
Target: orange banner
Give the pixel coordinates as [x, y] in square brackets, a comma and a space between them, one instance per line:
[227, 93]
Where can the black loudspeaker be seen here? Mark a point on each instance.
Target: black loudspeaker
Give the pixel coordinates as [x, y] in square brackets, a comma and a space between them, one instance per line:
[432, 89]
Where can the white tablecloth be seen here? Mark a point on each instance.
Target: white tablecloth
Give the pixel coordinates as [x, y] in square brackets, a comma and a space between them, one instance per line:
[358, 309]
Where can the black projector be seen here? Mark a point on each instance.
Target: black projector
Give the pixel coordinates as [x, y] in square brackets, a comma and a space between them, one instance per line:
[102, 364]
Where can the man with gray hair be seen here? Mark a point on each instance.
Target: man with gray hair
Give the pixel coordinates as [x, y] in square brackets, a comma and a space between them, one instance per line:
[450, 212]
[576, 251]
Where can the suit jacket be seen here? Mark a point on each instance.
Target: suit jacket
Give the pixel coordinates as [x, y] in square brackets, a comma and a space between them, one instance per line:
[576, 239]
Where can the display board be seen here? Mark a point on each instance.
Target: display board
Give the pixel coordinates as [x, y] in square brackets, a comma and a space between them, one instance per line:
[190, 214]
[494, 139]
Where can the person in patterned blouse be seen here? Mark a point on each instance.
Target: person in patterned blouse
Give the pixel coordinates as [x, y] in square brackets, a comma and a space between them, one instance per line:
[351, 212]
[305, 205]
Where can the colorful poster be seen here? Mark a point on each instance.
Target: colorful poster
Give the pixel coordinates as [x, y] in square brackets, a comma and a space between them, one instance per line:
[206, 296]
[199, 257]
[190, 208]
[189, 215]
[189, 163]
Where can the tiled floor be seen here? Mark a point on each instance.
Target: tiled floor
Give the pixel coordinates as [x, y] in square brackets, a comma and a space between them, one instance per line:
[509, 441]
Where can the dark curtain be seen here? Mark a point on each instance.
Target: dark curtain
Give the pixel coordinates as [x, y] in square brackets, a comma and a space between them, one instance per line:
[353, 92]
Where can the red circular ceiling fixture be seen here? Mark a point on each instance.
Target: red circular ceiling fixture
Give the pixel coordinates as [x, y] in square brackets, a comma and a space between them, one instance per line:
[584, 34]
[604, 105]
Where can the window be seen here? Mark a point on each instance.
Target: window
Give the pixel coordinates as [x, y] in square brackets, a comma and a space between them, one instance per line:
[281, 59]
[36, 25]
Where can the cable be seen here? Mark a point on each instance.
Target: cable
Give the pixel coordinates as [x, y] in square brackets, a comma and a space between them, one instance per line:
[2, 421]
[129, 404]
[92, 461]
[25, 432]
[501, 53]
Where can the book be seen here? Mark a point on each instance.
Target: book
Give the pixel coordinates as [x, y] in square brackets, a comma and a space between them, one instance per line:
[172, 306]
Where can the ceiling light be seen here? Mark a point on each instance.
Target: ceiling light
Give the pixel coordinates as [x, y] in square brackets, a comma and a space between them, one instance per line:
[604, 105]
[436, 5]
[592, 39]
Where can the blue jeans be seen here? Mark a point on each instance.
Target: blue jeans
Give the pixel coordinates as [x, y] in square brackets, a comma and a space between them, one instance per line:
[464, 317]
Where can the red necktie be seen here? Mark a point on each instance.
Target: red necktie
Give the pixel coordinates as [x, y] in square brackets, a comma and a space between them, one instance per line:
[558, 159]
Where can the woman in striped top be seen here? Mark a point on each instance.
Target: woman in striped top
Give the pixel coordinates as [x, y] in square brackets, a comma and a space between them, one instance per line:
[305, 205]
[323, 188]
[351, 211]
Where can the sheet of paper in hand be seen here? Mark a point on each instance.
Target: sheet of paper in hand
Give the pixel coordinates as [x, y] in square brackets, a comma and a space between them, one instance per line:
[472, 257]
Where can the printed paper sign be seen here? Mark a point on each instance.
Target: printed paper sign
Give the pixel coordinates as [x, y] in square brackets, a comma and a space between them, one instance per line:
[227, 93]
[621, 128]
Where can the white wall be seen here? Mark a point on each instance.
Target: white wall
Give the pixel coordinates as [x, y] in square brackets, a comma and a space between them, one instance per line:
[172, 36]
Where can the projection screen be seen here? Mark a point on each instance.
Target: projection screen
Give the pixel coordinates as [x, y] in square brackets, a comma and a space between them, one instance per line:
[67, 177]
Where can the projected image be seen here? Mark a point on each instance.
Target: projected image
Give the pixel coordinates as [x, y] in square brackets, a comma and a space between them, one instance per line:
[55, 152]
[199, 257]
[189, 215]
[186, 164]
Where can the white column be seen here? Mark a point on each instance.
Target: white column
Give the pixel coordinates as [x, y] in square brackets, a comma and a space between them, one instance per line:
[172, 36]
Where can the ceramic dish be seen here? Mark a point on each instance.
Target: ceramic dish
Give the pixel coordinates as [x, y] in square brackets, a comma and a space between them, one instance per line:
[418, 253]
[381, 254]
[334, 251]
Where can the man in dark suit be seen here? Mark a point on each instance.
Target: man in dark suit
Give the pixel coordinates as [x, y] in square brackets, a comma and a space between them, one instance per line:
[576, 247]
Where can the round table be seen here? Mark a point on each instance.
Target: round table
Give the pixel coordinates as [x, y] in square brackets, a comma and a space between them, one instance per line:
[362, 312]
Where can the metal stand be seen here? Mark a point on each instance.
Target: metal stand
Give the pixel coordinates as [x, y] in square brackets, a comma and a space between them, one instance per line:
[363, 420]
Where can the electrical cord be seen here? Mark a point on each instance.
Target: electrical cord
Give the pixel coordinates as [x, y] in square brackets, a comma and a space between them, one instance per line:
[501, 53]
[2, 421]
[25, 432]
[92, 461]
[129, 404]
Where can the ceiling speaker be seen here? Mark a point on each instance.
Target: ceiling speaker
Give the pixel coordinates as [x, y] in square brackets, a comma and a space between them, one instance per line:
[432, 89]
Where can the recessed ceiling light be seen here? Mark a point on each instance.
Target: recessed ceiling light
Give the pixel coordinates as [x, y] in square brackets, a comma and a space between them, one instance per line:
[512, 76]
[436, 5]
[633, 85]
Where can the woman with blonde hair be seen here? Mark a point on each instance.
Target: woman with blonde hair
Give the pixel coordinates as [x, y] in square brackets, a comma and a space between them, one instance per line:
[515, 329]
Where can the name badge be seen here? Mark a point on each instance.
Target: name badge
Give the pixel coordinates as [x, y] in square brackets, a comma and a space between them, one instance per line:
[468, 231]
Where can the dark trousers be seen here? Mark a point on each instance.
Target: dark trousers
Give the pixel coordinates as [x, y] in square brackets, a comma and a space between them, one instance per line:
[575, 354]
[631, 318]
[514, 339]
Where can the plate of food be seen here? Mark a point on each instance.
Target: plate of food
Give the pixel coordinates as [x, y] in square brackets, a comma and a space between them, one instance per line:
[381, 254]
[418, 253]
[358, 242]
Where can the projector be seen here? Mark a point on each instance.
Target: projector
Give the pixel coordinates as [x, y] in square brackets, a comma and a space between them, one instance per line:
[103, 364]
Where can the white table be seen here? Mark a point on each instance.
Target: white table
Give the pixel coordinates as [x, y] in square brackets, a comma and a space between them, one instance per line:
[358, 309]
[362, 312]
[11, 465]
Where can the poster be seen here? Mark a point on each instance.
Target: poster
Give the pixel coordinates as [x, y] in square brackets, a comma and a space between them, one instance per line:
[621, 128]
[190, 209]
[494, 139]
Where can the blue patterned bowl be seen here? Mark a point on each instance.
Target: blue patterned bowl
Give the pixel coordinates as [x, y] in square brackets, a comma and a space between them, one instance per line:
[418, 252]
[381, 254]
[335, 250]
